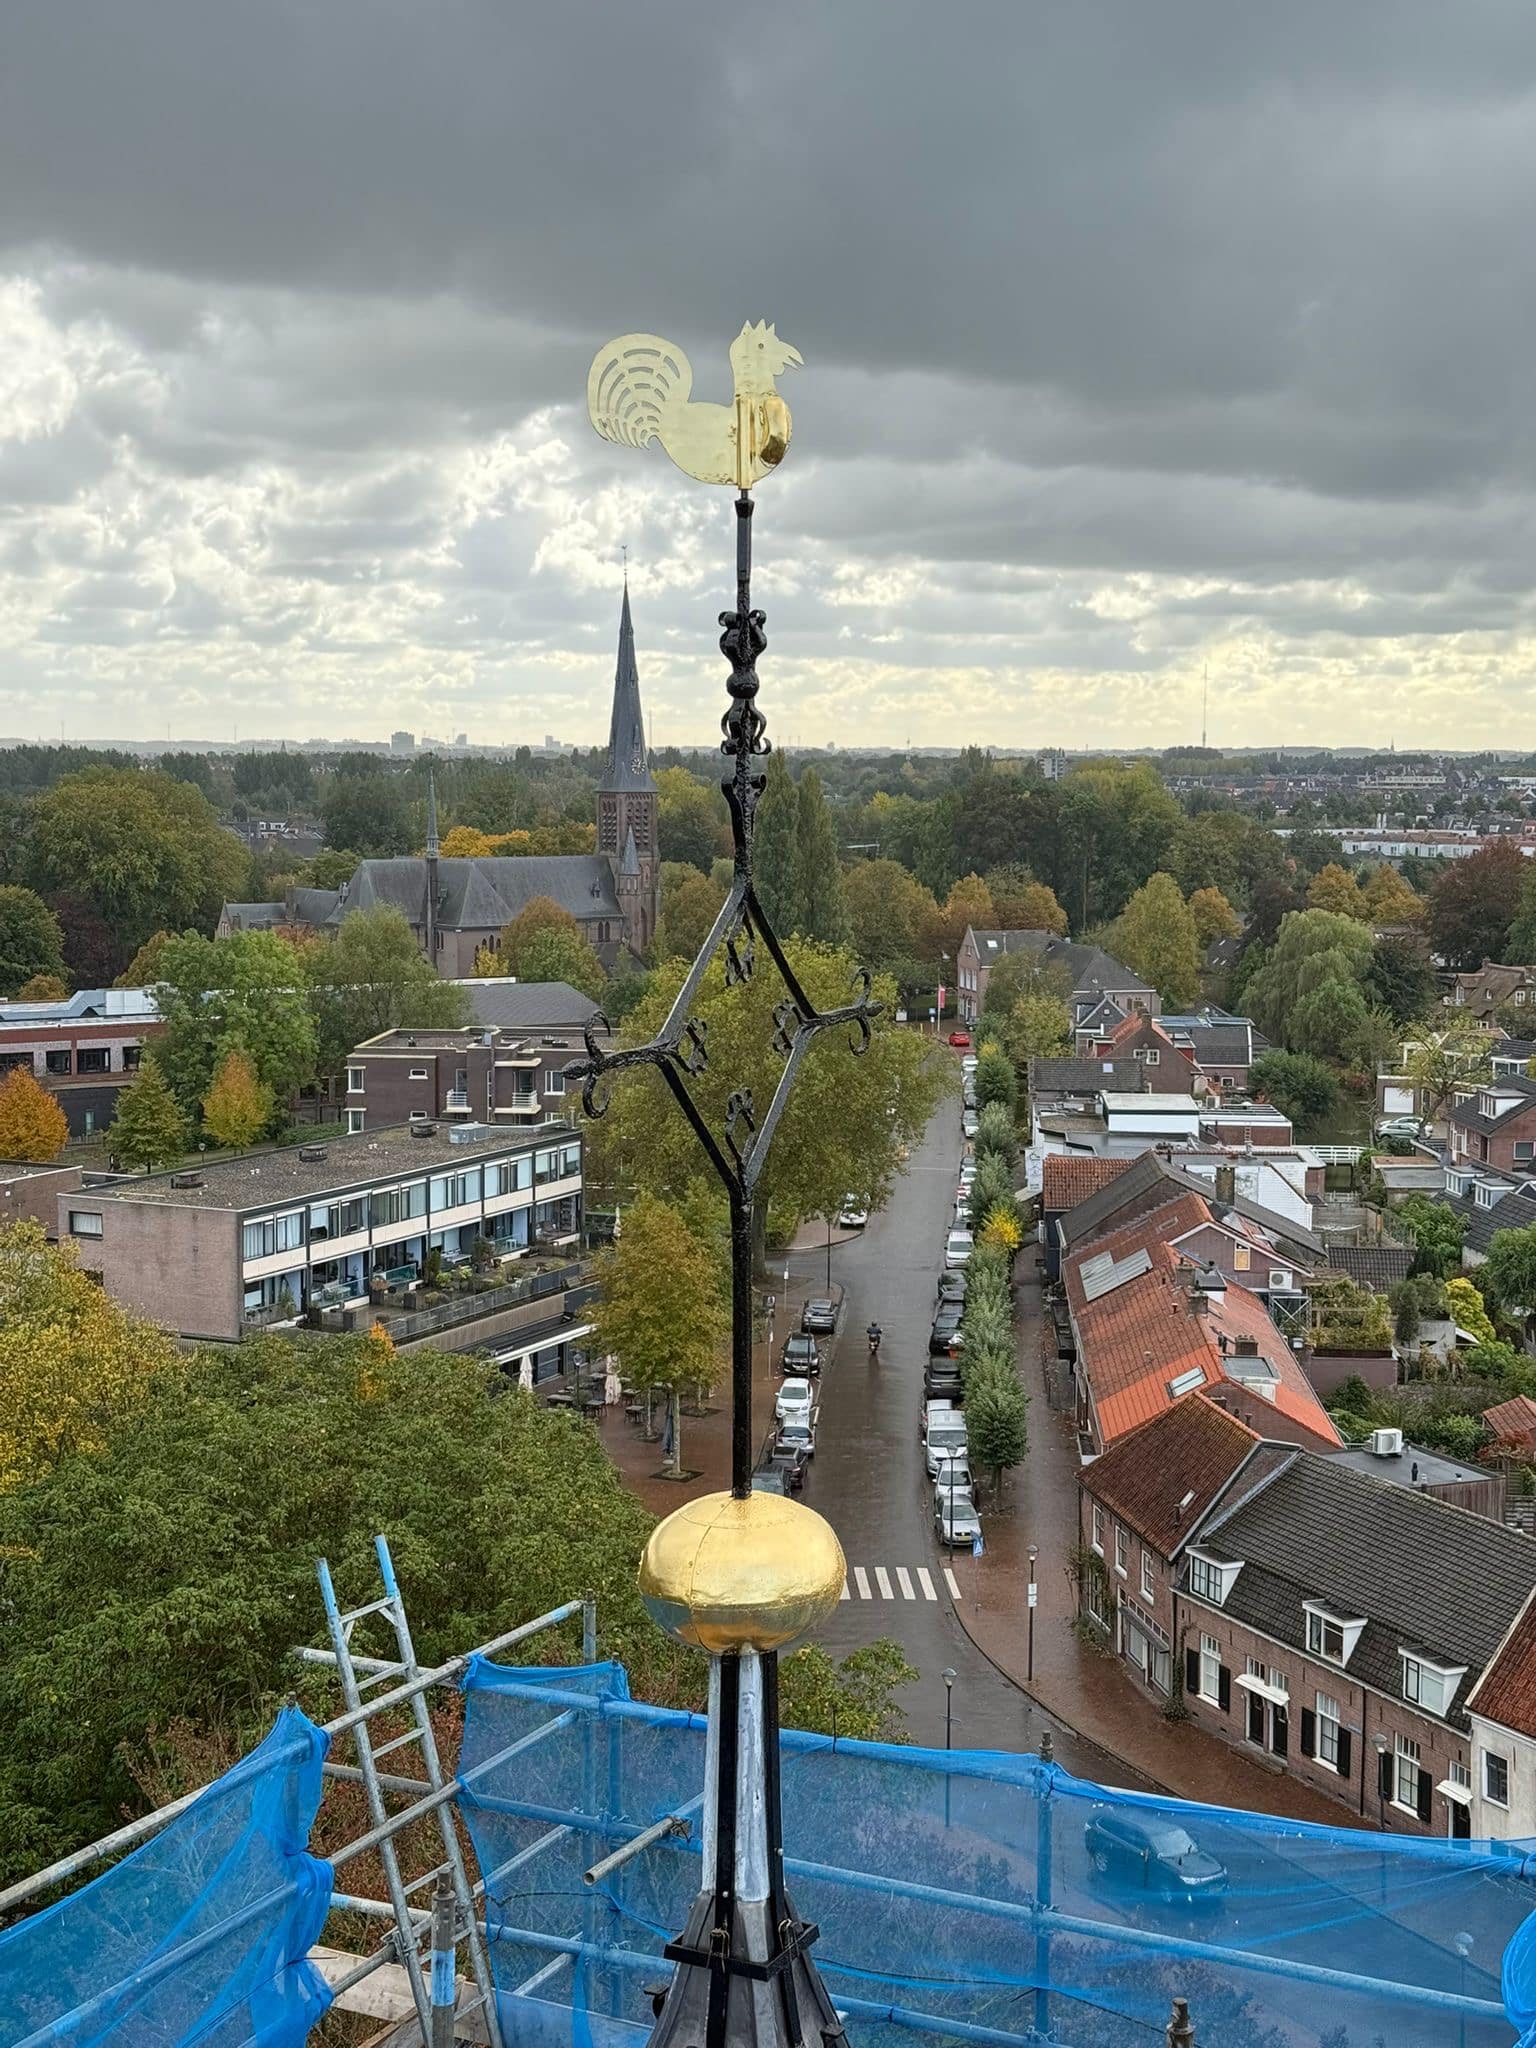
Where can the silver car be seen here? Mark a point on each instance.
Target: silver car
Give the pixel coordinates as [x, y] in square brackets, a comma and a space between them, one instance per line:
[956, 1521]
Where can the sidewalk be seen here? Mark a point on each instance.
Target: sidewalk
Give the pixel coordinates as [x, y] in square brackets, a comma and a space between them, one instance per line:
[1091, 1690]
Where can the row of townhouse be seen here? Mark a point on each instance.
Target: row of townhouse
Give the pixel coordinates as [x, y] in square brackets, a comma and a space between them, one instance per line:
[1092, 976]
[1205, 1052]
[1356, 1628]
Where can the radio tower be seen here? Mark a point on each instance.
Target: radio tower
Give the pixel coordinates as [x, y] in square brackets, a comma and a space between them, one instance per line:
[1205, 699]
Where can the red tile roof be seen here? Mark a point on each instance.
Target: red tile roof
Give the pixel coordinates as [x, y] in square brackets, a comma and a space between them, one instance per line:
[1067, 1178]
[1145, 1333]
[1162, 1477]
[1512, 1422]
[1506, 1692]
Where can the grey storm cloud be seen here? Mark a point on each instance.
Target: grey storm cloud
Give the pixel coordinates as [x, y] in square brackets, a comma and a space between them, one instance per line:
[1136, 338]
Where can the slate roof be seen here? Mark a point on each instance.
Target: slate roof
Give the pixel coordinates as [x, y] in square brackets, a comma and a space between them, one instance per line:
[1506, 1692]
[1468, 1117]
[528, 1005]
[251, 917]
[482, 894]
[1511, 1212]
[1093, 971]
[626, 769]
[1377, 1266]
[1193, 1448]
[1071, 1076]
[1425, 1575]
[1103, 1019]
[1067, 1179]
[1234, 1042]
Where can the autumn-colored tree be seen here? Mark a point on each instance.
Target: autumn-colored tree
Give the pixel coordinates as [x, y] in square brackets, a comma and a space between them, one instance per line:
[562, 956]
[1475, 903]
[69, 1356]
[42, 988]
[148, 1129]
[1214, 916]
[464, 842]
[1023, 904]
[539, 914]
[1335, 888]
[1389, 899]
[237, 1108]
[890, 913]
[32, 1125]
[143, 970]
[1037, 1027]
[690, 903]
[969, 902]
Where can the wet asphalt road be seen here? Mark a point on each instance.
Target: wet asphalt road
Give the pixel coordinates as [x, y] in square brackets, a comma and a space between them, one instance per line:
[868, 1477]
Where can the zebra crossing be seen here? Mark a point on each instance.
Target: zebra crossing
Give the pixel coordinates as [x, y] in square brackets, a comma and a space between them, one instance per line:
[896, 1582]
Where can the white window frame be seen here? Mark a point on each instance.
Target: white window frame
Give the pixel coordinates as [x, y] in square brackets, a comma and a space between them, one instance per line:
[1329, 1717]
[1406, 1754]
[1319, 1622]
[357, 1080]
[1148, 1576]
[86, 1223]
[1210, 1579]
[1210, 1669]
[355, 1121]
[1460, 1774]
[554, 1082]
[1429, 1686]
[1495, 1756]
[1122, 1552]
[1096, 1540]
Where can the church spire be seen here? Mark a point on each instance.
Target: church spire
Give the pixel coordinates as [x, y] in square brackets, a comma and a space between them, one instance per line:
[433, 848]
[627, 766]
[432, 853]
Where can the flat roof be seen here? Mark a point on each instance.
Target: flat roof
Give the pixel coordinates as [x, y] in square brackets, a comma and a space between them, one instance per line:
[1399, 1469]
[1152, 1102]
[466, 1037]
[258, 1180]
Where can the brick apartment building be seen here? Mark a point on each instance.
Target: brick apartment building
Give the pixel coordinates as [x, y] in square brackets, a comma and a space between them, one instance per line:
[1331, 1621]
[238, 1243]
[83, 1049]
[1093, 975]
[1495, 1125]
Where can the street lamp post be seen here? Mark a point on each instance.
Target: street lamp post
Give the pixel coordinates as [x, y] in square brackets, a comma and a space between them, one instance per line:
[1034, 1552]
[1465, 1943]
[949, 1701]
[1379, 1744]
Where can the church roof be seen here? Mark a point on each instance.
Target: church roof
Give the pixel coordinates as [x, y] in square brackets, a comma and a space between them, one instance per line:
[627, 766]
[630, 864]
[483, 894]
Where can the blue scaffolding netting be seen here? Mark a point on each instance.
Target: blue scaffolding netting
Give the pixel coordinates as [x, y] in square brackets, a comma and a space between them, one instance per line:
[201, 1935]
[978, 1897]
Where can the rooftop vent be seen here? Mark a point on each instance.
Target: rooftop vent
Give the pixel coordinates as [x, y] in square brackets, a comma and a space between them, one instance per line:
[312, 1154]
[186, 1180]
[423, 1130]
[1247, 1347]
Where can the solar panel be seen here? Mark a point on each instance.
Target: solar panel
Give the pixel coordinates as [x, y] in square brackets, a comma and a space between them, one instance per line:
[1114, 1274]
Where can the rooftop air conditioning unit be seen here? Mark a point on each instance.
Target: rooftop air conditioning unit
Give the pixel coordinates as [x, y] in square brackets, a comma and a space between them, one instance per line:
[186, 1180]
[423, 1130]
[1386, 1443]
[312, 1154]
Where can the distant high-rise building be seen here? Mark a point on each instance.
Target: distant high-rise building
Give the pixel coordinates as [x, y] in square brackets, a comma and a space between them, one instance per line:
[402, 743]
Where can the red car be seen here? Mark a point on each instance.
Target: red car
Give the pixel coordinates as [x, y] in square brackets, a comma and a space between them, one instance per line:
[962, 1039]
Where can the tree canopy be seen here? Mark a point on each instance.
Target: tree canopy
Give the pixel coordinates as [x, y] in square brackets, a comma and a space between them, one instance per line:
[250, 990]
[32, 1124]
[238, 1107]
[31, 941]
[1156, 935]
[1475, 904]
[370, 978]
[148, 1128]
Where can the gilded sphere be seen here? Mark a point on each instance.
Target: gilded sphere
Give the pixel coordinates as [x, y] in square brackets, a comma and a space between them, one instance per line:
[723, 1574]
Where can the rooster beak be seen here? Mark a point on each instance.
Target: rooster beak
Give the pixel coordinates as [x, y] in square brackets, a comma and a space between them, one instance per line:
[792, 355]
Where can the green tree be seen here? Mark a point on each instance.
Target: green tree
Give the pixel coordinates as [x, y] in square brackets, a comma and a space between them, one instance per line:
[1314, 950]
[1022, 904]
[32, 1125]
[691, 820]
[148, 1129]
[1117, 825]
[1214, 917]
[1347, 1317]
[690, 903]
[237, 1108]
[538, 915]
[997, 1427]
[1037, 1027]
[143, 970]
[1508, 1274]
[1400, 980]
[1026, 973]
[138, 851]
[369, 811]
[1436, 1232]
[1155, 934]
[1334, 888]
[1442, 1056]
[329, 868]
[824, 907]
[372, 977]
[1476, 903]
[776, 864]
[659, 1308]
[1304, 1087]
[250, 990]
[993, 1184]
[1466, 1304]
[177, 1560]
[30, 939]
[845, 1124]
[996, 1080]
[852, 1697]
[889, 914]
[995, 1134]
[43, 988]
[560, 956]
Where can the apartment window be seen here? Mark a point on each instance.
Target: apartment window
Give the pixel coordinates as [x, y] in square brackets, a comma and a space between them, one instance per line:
[1205, 1580]
[1122, 1551]
[570, 1161]
[1429, 1686]
[398, 1205]
[85, 1223]
[418, 1074]
[1325, 1636]
[357, 1080]
[1094, 1591]
[1148, 1578]
[546, 1165]
[454, 1190]
[1098, 1529]
[132, 1054]
[1210, 1668]
[1461, 1774]
[1328, 1731]
[271, 1234]
[1242, 1257]
[58, 1062]
[95, 1059]
[355, 1121]
[1523, 1148]
[338, 1219]
[554, 1084]
[1405, 1783]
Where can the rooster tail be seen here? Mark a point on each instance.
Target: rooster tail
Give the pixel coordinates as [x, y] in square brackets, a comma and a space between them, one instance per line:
[634, 381]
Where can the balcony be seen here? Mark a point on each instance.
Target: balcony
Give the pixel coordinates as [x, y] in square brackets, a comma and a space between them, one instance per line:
[456, 1102]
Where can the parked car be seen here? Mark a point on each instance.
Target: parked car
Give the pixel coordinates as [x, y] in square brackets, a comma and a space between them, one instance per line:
[969, 1124]
[791, 1464]
[956, 1521]
[819, 1318]
[798, 1436]
[954, 1477]
[1152, 1855]
[1398, 1127]
[969, 1064]
[769, 1480]
[794, 1402]
[853, 1215]
[957, 1248]
[941, 1382]
[951, 1286]
[944, 1441]
[800, 1355]
[968, 1095]
[936, 1411]
[945, 1338]
[961, 1039]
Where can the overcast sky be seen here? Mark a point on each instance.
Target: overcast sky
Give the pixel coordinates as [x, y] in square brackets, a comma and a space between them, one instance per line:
[1137, 337]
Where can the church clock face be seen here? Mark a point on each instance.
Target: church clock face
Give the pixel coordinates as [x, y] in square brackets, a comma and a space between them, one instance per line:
[638, 763]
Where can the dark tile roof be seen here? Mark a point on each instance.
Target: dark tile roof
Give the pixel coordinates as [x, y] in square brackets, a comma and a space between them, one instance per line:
[1377, 1266]
[1147, 1478]
[1153, 1179]
[1226, 1044]
[1074, 1076]
[1423, 1574]
[528, 1005]
[1468, 1117]
[483, 894]
[1512, 1212]
[1506, 1692]
[1093, 971]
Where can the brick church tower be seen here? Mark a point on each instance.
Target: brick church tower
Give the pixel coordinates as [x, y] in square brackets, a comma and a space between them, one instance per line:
[626, 801]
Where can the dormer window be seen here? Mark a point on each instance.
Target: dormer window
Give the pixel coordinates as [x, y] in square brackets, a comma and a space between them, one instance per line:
[1430, 1686]
[1212, 1578]
[1331, 1636]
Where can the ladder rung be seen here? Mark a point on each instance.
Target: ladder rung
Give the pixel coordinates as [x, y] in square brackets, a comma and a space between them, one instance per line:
[397, 1742]
[357, 1614]
[386, 1676]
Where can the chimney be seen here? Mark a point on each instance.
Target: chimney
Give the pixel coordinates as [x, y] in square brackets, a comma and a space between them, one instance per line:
[1226, 1182]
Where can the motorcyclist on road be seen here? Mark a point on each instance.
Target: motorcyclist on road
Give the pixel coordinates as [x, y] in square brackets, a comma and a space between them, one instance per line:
[873, 1334]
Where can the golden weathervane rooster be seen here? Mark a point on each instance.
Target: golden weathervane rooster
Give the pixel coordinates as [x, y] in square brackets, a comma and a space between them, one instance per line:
[638, 391]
